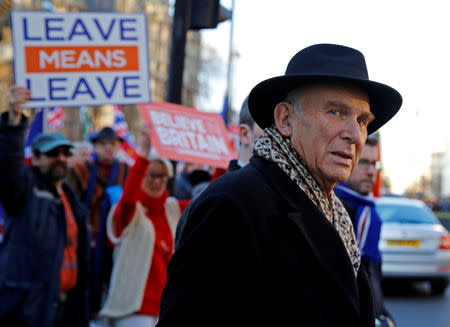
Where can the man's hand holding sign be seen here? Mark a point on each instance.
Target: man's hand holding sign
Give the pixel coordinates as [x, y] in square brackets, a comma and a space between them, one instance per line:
[17, 95]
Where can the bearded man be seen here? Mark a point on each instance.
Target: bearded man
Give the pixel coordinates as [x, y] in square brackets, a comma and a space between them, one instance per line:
[45, 254]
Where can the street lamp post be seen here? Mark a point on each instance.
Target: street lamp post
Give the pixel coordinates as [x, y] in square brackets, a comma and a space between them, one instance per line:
[181, 22]
[189, 14]
[230, 66]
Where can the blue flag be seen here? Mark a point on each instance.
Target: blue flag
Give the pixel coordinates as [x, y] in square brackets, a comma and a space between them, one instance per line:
[224, 113]
[36, 127]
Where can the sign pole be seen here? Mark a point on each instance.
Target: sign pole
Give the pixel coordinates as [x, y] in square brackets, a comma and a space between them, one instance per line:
[181, 22]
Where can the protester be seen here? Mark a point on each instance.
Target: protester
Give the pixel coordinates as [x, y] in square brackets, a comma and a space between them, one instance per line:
[248, 132]
[199, 180]
[82, 152]
[144, 222]
[91, 180]
[45, 250]
[270, 244]
[183, 187]
[357, 199]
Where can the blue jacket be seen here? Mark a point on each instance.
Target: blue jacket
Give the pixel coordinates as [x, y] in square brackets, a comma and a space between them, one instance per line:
[34, 240]
[366, 221]
[183, 189]
[367, 225]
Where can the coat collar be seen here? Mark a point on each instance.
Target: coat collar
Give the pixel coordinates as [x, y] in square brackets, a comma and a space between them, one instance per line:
[234, 165]
[44, 185]
[320, 234]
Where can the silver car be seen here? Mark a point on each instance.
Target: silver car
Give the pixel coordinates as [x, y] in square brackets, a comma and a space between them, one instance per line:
[413, 243]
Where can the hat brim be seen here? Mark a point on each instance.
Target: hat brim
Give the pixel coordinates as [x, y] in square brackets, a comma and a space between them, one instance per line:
[384, 100]
[53, 145]
[96, 138]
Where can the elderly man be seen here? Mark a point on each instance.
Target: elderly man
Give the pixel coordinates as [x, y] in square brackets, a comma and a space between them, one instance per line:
[356, 195]
[45, 253]
[271, 245]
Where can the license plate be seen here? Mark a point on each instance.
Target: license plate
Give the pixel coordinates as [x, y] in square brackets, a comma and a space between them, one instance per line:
[414, 243]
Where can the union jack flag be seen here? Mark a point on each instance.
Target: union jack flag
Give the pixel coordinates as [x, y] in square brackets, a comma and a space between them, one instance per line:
[120, 124]
[55, 118]
[128, 150]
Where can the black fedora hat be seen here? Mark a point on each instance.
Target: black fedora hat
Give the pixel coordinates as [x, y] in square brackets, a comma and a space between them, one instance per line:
[324, 62]
[105, 133]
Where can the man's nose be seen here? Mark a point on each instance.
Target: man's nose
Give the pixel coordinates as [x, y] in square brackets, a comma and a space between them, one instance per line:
[62, 156]
[352, 131]
[371, 170]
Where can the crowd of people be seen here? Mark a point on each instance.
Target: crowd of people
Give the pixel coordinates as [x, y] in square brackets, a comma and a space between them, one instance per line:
[287, 236]
[79, 187]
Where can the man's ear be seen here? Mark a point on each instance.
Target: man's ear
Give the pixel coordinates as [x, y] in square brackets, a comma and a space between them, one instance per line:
[282, 118]
[244, 134]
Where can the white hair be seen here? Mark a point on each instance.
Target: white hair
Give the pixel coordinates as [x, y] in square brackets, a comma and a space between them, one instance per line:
[165, 162]
[81, 144]
[294, 98]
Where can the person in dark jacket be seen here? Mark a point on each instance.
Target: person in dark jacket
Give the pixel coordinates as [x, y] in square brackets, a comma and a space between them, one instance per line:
[271, 244]
[356, 196]
[183, 188]
[248, 133]
[45, 250]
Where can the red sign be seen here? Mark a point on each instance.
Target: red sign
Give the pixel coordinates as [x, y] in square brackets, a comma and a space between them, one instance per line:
[181, 133]
[233, 133]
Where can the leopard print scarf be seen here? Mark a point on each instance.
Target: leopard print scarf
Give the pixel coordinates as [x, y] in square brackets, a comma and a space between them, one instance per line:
[272, 146]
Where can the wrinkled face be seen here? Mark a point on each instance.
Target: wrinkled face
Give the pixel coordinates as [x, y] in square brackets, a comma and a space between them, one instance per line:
[364, 176]
[106, 149]
[329, 130]
[54, 164]
[156, 181]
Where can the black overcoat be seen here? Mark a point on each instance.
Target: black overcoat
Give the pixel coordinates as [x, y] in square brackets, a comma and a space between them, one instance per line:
[256, 251]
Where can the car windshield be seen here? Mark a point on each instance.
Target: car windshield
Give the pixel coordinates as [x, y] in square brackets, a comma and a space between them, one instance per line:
[405, 214]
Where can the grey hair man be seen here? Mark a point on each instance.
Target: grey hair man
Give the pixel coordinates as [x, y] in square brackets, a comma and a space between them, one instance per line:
[249, 131]
[271, 244]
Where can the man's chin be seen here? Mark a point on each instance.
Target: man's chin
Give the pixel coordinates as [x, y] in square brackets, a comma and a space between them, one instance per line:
[106, 160]
[365, 190]
[56, 176]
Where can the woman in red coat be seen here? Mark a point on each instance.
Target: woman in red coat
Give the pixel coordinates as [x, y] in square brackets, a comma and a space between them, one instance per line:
[143, 225]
